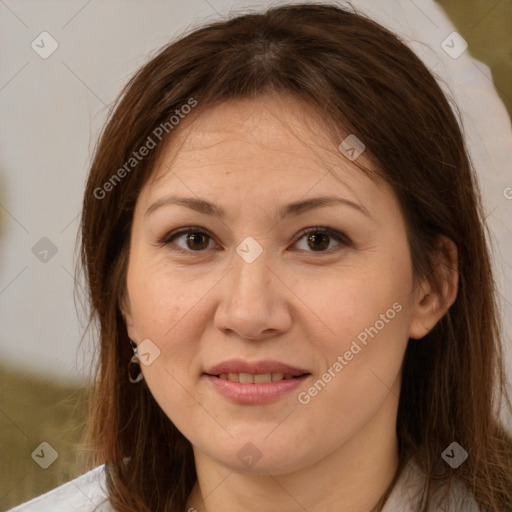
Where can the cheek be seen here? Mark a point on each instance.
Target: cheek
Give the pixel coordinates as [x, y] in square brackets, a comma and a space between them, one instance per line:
[366, 302]
[361, 361]
[164, 309]
[365, 314]
[161, 297]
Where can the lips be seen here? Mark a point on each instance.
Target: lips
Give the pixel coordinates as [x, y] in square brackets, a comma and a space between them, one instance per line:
[258, 383]
[238, 370]
[259, 378]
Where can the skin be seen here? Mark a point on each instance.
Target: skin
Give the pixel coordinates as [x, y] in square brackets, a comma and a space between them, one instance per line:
[293, 304]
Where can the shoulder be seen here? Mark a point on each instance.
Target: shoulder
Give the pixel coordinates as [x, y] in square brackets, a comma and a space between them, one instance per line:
[83, 494]
[407, 495]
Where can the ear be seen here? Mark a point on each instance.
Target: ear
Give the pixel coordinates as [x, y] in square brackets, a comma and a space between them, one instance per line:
[126, 311]
[431, 303]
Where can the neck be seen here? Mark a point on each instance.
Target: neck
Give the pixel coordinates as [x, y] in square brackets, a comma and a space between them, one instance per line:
[353, 477]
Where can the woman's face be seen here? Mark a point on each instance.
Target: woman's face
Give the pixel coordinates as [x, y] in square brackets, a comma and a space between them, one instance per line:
[249, 292]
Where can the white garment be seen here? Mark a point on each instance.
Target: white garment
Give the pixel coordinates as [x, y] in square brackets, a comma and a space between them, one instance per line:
[407, 495]
[87, 492]
[83, 494]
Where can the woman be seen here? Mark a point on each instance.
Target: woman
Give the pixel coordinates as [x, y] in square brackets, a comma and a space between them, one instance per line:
[282, 225]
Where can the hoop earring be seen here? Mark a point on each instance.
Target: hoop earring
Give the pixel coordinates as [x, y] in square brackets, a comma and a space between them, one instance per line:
[134, 371]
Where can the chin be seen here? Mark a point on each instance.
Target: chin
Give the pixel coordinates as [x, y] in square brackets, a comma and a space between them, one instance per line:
[259, 458]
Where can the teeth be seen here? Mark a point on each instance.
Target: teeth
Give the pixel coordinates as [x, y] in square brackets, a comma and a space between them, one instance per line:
[246, 378]
[260, 378]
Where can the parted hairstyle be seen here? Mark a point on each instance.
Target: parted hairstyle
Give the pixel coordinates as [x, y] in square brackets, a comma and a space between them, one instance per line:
[361, 77]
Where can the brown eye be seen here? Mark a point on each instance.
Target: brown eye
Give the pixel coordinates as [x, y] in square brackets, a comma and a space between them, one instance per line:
[319, 239]
[188, 241]
[197, 241]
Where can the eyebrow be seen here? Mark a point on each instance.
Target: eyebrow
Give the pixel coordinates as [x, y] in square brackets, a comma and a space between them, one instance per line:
[292, 209]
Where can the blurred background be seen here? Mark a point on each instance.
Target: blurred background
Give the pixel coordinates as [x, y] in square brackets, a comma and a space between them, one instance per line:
[52, 108]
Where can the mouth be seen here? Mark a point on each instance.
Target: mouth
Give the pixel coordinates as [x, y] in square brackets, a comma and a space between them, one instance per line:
[269, 370]
[257, 378]
[255, 383]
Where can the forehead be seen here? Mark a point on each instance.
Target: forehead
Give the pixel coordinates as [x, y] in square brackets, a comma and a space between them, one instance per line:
[268, 120]
[276, 143]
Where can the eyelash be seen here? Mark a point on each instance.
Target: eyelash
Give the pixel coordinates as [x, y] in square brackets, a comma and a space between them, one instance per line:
[332, 233]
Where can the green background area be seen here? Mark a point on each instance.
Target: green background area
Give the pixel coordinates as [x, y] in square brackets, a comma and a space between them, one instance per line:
[34, 410]
[487, 27]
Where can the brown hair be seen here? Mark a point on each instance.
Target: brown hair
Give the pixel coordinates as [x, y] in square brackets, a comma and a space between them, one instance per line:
[362, 78]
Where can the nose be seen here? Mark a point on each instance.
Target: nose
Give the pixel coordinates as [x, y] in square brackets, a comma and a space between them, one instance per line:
[254, 302]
